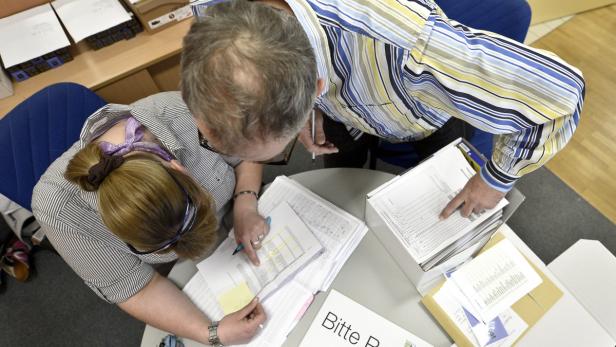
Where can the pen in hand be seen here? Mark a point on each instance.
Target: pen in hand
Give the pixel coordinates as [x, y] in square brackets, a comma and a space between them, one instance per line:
[240, 246]
[313, 133]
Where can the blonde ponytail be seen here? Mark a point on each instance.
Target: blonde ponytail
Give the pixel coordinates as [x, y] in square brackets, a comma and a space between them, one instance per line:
[142, 203]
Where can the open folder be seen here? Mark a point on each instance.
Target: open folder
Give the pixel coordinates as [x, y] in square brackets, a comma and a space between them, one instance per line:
[529, 308]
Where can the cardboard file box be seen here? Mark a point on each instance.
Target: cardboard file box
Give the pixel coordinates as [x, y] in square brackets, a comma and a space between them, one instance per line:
[424, 280]
[155, 15]
[531, 307]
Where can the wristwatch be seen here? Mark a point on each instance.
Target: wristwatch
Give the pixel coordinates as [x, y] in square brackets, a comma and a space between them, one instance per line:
[213, 339]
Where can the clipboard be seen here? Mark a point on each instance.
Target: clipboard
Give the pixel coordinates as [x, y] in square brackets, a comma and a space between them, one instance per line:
[530, 308]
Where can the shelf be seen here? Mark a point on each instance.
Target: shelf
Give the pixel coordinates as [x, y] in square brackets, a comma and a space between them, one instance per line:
[98, 68]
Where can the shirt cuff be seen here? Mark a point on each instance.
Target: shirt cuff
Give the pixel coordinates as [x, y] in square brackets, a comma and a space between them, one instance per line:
[127, 286]
[496, 178]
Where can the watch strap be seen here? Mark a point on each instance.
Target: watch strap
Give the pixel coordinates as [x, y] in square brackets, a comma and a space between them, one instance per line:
[213, 338]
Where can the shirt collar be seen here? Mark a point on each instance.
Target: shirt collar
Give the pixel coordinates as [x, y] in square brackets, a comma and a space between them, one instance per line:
[110, 114]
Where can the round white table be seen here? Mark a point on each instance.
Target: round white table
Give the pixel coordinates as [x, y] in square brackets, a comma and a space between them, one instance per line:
[372, 278]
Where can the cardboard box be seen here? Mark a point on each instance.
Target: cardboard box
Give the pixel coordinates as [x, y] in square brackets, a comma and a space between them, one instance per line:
[530, 308]
[587, 270]
[156, 15]
[425, 280]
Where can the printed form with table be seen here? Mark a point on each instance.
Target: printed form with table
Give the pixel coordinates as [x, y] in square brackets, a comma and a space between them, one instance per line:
[474, 282]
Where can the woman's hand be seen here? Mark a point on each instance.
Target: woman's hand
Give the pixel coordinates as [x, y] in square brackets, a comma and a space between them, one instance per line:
[249, 227]
[240, 327]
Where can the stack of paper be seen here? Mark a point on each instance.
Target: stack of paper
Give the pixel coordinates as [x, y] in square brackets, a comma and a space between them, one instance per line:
[83, 18]
[223, 285]
[284, 308]
[30, 34]
[411, 205]
[233, 281]
[479, 295]
[338, 231]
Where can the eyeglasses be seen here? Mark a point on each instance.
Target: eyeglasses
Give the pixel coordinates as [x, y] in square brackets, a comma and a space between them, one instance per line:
[280, 159]
[190, 215]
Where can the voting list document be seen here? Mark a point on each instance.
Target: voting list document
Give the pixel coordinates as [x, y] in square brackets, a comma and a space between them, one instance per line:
[338, 231]
[411, 206]
[495, 280]
[284, 308]
[234, 281]
[343, 322]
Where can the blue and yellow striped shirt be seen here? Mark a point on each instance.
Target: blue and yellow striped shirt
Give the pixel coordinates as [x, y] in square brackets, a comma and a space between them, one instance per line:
[400, 69]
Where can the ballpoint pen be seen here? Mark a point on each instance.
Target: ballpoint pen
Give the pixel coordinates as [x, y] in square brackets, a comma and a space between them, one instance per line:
[239, 247]
[313, 133]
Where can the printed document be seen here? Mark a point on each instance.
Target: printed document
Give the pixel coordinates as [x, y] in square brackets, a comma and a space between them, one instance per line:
[234, 280]
[502, 331]
[284, 308]
[338, 231]
[411, 205]
[83, 18]
[495, 280]
[30, 34]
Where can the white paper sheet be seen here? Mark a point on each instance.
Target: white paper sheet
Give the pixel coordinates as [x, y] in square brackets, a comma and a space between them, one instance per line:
[496, 279]
[288, 247]
[30, 34]
[411, 206]
[283, 308]
[338, 231]
[447, 299]
[83, 18]
[343, 322]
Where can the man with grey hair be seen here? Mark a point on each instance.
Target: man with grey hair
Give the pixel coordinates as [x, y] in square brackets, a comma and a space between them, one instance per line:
[250, 81]
[397, 69]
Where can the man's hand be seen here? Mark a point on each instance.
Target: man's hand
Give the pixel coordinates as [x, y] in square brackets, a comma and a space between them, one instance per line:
[320, 145]
[239, 327]
[249, 227]
[476, 196]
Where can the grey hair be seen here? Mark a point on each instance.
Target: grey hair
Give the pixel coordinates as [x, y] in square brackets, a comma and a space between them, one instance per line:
[249, 72]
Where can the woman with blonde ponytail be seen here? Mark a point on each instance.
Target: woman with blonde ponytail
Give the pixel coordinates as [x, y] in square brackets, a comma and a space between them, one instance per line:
[136, 190]
[130, 188]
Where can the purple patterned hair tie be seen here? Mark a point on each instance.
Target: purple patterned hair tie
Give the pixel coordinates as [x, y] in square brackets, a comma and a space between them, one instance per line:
[134, 135]
[113, 155]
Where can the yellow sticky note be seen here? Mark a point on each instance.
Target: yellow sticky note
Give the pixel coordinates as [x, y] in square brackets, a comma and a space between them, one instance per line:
[235, 298]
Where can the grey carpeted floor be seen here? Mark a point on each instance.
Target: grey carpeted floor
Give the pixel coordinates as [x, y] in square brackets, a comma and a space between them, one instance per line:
[56, 309]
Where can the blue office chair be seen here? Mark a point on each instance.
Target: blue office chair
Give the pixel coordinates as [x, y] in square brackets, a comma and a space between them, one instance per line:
[39, 130]
[510, 18]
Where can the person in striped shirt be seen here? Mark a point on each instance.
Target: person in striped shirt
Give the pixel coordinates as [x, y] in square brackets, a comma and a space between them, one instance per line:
[402, 71]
